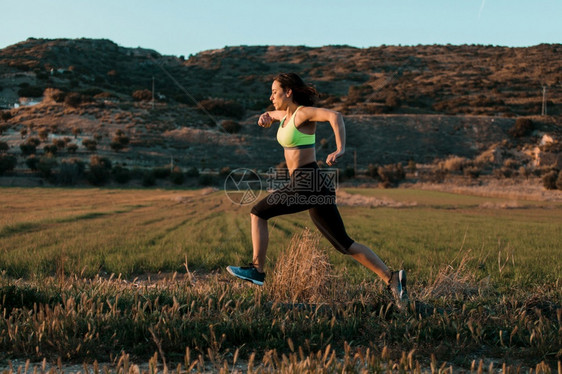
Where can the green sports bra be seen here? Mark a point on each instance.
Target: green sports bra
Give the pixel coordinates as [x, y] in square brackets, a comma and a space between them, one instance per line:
[291, 138]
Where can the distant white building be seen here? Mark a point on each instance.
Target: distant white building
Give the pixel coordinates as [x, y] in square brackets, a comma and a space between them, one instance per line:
[28, 101]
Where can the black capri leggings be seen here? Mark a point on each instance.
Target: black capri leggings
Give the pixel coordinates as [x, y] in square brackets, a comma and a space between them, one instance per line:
[311, 189]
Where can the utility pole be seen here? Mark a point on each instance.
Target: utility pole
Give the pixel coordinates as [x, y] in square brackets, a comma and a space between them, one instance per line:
[355, 162]
[543, 111]
[153, 92]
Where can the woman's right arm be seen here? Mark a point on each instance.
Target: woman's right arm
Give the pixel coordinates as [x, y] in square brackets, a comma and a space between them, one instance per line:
[268, 118]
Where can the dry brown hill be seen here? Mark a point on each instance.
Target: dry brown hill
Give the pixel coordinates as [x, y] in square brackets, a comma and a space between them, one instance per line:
[434, 79]
[420, 105]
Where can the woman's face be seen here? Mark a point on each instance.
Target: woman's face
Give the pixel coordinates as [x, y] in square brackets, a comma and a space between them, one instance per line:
[279, 97]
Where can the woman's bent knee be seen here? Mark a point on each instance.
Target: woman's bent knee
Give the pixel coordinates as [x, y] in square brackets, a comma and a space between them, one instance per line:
[254, 216]
[257, 213]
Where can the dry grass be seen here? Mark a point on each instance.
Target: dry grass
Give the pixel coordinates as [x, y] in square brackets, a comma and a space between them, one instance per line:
[224, 326]
[80, 318]
[347, 199]
[453, 163]
[354, 360]
[303, 273]
[515, 189]
[455, 281]
[504, 205]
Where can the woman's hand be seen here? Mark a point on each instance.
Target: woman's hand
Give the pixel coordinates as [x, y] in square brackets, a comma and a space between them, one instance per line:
[265, 120]
[332, 157]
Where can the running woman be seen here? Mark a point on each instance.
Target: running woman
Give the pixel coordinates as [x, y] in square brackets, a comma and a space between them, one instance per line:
[293, 101]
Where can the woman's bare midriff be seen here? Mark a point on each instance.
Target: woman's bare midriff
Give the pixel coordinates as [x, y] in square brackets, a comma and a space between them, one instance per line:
[296, 158]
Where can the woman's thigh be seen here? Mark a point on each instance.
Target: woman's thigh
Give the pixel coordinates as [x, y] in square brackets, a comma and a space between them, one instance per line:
[280, 202]
[328, 220]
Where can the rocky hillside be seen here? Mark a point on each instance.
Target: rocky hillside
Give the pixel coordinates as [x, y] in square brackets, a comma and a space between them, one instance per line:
[467, 79]
[463, 109]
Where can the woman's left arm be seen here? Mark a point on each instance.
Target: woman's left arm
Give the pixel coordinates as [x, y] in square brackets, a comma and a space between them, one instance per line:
[336, 121]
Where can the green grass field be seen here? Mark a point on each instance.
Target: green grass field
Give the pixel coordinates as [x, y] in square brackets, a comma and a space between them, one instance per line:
[132, 232]
[58, 245]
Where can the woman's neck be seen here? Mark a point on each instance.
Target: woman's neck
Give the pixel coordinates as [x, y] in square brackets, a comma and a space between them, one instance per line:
[291, 108]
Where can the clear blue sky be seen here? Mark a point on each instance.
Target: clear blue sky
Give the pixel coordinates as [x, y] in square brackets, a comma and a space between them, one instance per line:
[175, 27]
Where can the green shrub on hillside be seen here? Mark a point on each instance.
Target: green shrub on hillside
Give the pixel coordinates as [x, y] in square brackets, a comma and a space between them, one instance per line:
[472, 172]
[121, 174]
[50, 148]
[161, 172]
[148, 178]
[177, 176]
[137, 172]
[192, 172]
[28, 148]
[372, 171]
[72, 148]
[46, 165]
[32, 162]
[4, 147]
[503, 172]
[90, 144]
[550, 179]
[206, 180]
[59, 143]
[35, 141]
[559, 181]
[73, 99]
[225, 171]
[71, 171]
[392, 173]
[522, 127]
[349, 172]
[221, 107]
[142, 95]
[4, 127]
[116, 145]
[99, 173]
[119, 141]
[7, 163]
[5, 115]
[124, 140]
[231, 127]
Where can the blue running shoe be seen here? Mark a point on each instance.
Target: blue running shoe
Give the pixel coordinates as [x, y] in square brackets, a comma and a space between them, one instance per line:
[249, 273]
[397, 287]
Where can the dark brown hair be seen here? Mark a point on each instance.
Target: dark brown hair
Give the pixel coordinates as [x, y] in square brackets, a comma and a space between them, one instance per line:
[303, 94]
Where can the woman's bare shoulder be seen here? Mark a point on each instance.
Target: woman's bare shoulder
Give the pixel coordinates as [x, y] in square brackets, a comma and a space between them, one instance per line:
[310, 113]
